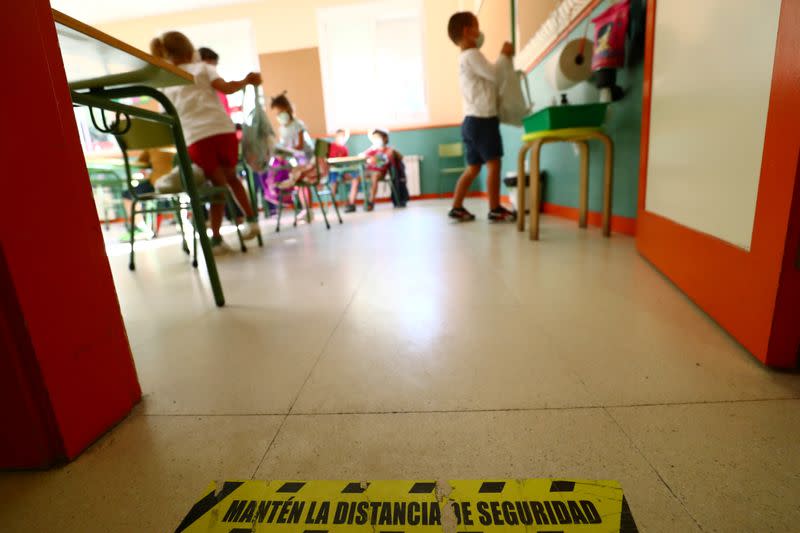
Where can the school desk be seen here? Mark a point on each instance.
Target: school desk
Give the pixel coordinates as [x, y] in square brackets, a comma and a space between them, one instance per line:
[353, 163]
[101, 70]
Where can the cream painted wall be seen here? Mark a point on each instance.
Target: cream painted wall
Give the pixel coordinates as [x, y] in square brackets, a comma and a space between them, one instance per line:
[280, 26]
[712, 75]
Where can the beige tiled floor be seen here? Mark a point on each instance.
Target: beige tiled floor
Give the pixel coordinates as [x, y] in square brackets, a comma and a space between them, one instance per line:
[402, 346]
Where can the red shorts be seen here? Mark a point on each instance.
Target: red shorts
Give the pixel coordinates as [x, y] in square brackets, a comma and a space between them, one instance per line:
[214, 152]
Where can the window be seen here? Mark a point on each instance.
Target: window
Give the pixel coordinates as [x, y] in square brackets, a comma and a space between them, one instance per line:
[373, 73]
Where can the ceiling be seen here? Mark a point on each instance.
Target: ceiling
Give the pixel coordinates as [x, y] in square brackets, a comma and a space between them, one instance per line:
[98, 11]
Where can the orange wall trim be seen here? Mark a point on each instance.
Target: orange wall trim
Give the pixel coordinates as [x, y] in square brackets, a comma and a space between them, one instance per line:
[754, 295]
[619, 224]
[572, 25]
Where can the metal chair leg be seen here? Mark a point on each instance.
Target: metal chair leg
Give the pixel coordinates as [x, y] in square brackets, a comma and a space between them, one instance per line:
[296, 210]
[179, 214]
[321, 205]
[195, 244]
[335, 204]
[132, 261]
[280, 210]
[232, 207]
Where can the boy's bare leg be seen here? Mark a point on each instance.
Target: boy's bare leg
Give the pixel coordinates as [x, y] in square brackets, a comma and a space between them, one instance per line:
[353, 190]
[375, 176]
[464, 183]
[493, 182]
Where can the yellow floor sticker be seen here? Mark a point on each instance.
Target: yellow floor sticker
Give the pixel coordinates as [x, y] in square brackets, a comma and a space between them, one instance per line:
[486, 506]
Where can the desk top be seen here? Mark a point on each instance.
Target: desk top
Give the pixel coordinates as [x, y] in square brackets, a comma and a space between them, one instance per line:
[93, 59]
[347, 160]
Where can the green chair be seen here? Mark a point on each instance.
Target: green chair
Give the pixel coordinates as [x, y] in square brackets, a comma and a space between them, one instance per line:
[105, 180]
[451, 163]
[321, 149]
[145, 135]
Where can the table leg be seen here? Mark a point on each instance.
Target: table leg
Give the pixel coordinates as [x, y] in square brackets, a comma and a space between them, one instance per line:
[608, 183]
[536, 199]
[583, 148]
[521, 186]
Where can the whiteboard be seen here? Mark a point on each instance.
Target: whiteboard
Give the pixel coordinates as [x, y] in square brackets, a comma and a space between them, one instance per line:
[712, 75]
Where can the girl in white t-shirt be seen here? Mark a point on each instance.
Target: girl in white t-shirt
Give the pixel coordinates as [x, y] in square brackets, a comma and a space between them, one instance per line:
[292, 135]
[209, 132]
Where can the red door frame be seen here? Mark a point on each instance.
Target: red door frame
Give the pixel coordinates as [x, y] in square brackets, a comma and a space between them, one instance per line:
[754, 295]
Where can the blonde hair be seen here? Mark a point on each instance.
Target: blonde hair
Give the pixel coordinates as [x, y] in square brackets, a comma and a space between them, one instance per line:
[173, 46]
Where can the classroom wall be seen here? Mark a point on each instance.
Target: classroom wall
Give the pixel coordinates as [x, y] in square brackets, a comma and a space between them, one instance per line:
[700, 174]
[282, 26]
[298, 73]
[560, 160]
[531, 16]
[754, 292]
[423, 142]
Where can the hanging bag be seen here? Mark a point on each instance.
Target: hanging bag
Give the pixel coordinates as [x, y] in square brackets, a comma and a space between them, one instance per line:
[258, 137]
[514, 94]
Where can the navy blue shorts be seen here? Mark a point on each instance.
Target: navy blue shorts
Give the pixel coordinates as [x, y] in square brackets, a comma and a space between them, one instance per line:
[144, 187]
[482, 140]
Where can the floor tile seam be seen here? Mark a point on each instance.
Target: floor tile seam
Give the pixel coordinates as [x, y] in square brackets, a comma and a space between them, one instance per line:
[653, 468]
[308, 377]
[466, 411]
[535, 409]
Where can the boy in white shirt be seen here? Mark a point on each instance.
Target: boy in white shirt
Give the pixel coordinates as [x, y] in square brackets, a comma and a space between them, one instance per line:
[481, 127]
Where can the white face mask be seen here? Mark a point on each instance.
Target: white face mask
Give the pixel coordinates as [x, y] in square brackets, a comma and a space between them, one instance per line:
[284, 118]
[480, 40]
[377, 142]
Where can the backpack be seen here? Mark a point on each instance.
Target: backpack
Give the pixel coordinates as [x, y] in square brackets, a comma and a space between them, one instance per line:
[514, 94]
[258, 137]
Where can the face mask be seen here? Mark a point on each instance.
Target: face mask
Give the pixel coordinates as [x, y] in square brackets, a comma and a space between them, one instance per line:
[480, 40]
[284, 118]
[378, 143]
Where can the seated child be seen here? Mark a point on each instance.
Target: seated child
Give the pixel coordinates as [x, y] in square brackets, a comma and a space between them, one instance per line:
[210, 133]
[292, 137]
[379, 160]
[339, 149]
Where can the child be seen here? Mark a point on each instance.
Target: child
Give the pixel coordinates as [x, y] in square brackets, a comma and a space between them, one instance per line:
[339, 149]
[379, 159]
[292, 136]
[207, 55]
[481, 127]
[209, 132]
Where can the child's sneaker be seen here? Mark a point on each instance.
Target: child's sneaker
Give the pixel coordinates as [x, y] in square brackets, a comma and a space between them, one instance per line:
[219, 247]
[501, 214]
[249, 231]
[350, 208]
[461, 215]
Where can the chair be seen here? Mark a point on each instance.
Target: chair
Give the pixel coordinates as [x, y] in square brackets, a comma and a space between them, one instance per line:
[449, 155]
[321, 149]
[389, 176]
[145, 135]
